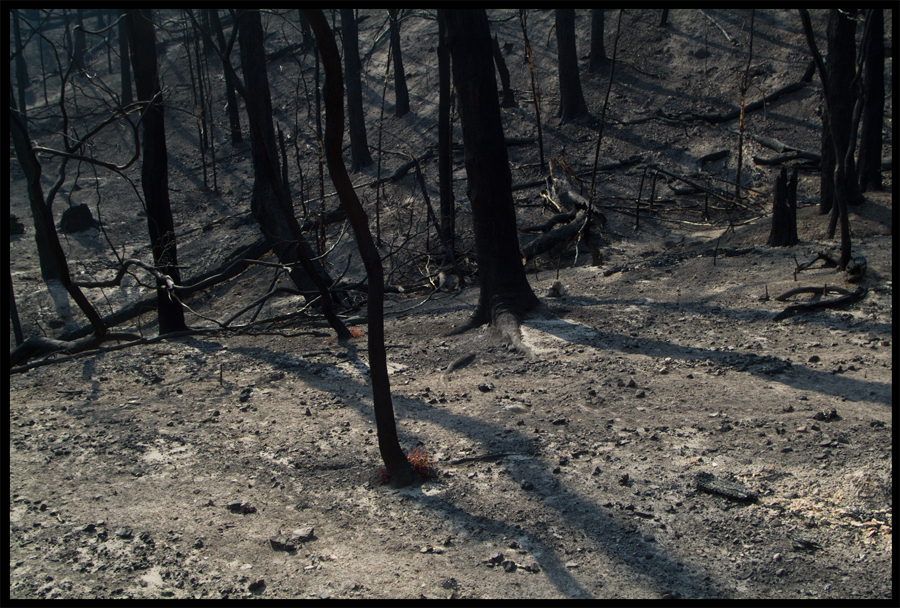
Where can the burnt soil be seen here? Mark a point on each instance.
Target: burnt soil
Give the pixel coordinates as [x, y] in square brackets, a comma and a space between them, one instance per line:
[244, 463]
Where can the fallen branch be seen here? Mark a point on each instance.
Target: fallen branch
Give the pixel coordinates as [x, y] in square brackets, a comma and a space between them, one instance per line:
[819, 290]
[810, 306]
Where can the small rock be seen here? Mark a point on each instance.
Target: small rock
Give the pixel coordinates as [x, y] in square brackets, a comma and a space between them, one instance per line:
[509, 565]
[302, 534]
[527, 485]
[280, 543]
[571, 565]
[123, 533]
[256, 585]
[494, 558]
[485, 387]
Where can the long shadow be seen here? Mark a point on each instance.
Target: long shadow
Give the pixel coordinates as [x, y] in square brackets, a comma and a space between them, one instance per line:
[592, 520]
[772, 368]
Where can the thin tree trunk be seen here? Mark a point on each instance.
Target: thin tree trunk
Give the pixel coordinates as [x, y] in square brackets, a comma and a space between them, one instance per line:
[445, 139]
[155, 169]
[571, 99]
[402, 93]
[359, 145]
[398, 467]
[873, 111]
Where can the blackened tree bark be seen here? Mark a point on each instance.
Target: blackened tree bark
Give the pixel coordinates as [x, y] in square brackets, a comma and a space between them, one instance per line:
[359, 145]
[664, 18]
[598, 51]
[52, 258]
[234, 116]
[445, 138]
[398, 467]
[839, 212]
[401, 106]
[505, 293]
[571, 99]
[509, 99]
[269, 202]
[840, 70]
[78, 51]
[21, 68]
[125, 62]
[154, 168]
[784, 211]
[873, 110]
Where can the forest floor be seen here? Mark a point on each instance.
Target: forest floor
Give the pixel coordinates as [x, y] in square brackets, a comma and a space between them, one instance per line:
[244, 463]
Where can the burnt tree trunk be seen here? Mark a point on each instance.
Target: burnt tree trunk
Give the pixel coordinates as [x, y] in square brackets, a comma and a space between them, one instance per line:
[784, 211]
[234, 115]
[270, 202]
[54, 266]
[598, 51]
[509, 99]
[125, 62]
[401, 106]
[21, 68]
[398, 467]
[873, 109]
[505, 293]
[571, 99]
[154, 167]
[445, 139]
[840, 69]
[359, 146]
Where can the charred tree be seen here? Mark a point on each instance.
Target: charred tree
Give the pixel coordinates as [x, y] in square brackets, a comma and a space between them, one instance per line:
[598, 51]
[154, 167]
[399, 469]
[21, 68]
[270, 202]
[505, 293]
[445, 138]
[571, 99]
[125, 62]
[234, 116]
[401, 106]
[359, 145]
[79, 48]
[54, 266]
[870, 135]
[664, 18]
[784, 211]
[836, 131]
[509, 99]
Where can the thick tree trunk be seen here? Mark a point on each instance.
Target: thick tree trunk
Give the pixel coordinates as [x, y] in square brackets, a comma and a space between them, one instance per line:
[401, 106]
[873, 111]
[445, 139]
[571, 99]
[398, 467]
[21, 68]
[505, 292]
[598, 51]
[359, 146]
[154, 169]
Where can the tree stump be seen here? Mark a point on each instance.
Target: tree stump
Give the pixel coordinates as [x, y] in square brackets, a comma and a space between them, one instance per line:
[784, 211]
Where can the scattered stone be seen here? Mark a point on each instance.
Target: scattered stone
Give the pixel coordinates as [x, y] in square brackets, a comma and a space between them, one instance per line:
[256, 585]
[624, 479]
[571, 564]
[493, 558]
[280, 543]
[485, 387]
[730, 489]
[509, 565]
[559, 421]
[124, 533]
[236, 506]
[301, 535]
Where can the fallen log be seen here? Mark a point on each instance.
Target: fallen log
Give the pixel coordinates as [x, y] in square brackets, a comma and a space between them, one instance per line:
[810, 306]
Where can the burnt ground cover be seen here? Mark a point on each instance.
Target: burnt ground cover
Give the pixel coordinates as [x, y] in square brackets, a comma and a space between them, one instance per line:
[669, 438]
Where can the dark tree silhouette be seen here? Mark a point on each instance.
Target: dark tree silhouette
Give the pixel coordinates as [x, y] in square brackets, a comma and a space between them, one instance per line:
[270, 202]
[52, 258]
[401, 106]
[78, 51]
[505, 293]
[870, 135]
[234, 116]
[509, 98]
[571, 99]
[598, 51]
[359, 146]
[445, 138]
[125, 62]
[784, 211]
[840, 70]
[154, 168]
[21, 68]
[398, 467]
